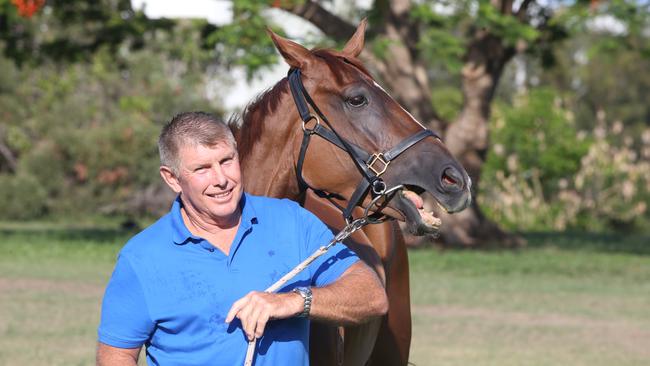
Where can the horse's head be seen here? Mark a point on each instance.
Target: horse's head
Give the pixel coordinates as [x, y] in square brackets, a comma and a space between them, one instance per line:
[389, 147]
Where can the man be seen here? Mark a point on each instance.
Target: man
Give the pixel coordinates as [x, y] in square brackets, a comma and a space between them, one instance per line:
[188, 287]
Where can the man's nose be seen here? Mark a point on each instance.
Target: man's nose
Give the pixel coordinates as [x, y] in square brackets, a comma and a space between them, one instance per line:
[219, 177]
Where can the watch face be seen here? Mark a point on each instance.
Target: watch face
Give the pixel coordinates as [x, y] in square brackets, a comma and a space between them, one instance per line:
[304, 291]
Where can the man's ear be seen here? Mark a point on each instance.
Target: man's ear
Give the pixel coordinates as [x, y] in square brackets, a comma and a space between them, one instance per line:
[355, 43]
[169, 178]
[294, 54]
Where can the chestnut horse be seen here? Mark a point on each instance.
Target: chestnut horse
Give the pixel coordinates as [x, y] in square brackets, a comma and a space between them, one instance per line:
[369, 141]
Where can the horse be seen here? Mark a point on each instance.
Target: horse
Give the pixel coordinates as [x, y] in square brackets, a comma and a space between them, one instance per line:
[329, 137]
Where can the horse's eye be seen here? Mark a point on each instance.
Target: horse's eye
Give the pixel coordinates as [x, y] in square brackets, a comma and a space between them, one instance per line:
[357, 101]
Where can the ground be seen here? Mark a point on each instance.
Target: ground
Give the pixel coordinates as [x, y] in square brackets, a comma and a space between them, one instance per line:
[565, 299]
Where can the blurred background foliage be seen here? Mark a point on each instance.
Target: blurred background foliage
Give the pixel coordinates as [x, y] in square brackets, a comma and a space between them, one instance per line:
[86, 85]
[82, 104]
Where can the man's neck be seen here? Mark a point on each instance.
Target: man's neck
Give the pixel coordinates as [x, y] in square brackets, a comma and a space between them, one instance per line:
[218, 233]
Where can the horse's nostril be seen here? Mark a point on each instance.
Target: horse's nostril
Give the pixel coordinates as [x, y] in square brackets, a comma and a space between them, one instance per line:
[451, 178]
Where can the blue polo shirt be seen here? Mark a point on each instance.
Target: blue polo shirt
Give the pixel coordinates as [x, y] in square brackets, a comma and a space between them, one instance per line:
[171, 290]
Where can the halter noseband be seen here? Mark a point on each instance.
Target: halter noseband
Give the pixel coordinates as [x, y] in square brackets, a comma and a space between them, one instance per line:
[371, 166]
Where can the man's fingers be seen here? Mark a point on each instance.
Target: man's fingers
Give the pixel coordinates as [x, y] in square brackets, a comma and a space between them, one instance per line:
[253, 310]
[235, 308]
[261, 324]
[247, 321]
[254, 320]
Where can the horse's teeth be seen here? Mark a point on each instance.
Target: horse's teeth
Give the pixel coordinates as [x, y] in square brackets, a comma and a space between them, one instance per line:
[429, 218]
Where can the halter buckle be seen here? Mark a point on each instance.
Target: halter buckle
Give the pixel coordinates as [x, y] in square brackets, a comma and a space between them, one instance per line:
[378, 158]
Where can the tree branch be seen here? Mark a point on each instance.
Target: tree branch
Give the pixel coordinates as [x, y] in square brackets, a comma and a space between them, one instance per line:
[328, 23]
[506, 7]
[8, 155]
[521, 13]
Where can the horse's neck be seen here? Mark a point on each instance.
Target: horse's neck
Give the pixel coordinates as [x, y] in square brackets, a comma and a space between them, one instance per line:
[269, 168]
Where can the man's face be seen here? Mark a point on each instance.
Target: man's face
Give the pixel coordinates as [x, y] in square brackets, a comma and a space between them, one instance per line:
[209, 180]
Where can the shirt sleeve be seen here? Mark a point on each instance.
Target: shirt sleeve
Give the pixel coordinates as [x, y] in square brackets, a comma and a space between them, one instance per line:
[125, 320]
[328, 267]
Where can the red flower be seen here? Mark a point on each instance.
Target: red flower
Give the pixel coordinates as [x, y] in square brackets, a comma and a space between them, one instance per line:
[27, 8]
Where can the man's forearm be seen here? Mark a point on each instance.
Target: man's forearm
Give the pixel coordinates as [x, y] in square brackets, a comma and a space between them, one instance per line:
[355, 297]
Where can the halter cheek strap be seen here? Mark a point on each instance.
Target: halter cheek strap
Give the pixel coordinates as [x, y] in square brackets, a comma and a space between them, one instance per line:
[371, 166]
[299, 96]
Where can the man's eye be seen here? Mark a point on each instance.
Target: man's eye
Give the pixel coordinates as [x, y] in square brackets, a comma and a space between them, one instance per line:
[357, 101]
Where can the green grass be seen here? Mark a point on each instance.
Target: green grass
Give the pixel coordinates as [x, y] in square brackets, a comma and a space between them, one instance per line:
[565, 299]
[51, 281]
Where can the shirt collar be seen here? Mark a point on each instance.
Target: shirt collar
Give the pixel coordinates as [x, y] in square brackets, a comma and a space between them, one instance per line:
[181, 234]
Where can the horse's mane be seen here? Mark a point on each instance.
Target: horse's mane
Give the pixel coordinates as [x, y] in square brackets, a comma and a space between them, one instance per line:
[249, 127]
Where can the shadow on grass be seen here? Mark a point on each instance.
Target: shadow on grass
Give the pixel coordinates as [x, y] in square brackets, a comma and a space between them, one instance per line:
[66, 234]
[594, 242]
[607, 243]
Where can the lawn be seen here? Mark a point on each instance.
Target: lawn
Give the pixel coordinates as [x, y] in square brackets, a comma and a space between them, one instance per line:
[565, 299]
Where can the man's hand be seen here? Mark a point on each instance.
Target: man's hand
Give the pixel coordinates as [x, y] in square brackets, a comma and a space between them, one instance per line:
[256, 308]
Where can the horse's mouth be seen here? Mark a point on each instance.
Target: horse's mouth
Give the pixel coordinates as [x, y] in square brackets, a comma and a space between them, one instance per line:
[411, 207]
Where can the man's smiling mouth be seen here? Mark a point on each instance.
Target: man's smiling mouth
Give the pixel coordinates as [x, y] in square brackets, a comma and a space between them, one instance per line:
[220, 195]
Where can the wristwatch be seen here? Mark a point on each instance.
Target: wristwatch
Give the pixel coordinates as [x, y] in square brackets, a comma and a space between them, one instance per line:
[305, 292]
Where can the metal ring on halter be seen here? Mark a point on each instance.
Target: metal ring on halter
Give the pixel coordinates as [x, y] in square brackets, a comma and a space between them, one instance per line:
[304, 127]
[366, 211]
[390, 191]
[378, 186]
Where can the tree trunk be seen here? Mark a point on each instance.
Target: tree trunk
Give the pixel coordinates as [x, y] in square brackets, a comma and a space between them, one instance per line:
[6, 153]
[467, 138]
[401, 71]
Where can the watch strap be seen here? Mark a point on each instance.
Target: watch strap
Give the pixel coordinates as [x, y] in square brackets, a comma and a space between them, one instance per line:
[306, 294]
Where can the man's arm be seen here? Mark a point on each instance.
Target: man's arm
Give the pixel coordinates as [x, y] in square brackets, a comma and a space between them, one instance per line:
[356, 296]
[113, 356]
[125, 322]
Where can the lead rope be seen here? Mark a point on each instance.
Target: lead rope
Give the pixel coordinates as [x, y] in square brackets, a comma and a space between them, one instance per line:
[342, 235]
[348, 230]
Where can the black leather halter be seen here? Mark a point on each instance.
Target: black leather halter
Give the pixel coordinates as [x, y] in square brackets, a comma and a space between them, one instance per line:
[371, 166]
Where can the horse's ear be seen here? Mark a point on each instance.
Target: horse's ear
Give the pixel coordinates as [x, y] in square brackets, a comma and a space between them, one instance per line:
[293, 53]
[355, 44]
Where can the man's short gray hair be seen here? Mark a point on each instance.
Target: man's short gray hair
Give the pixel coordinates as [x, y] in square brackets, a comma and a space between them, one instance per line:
[193, 128]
